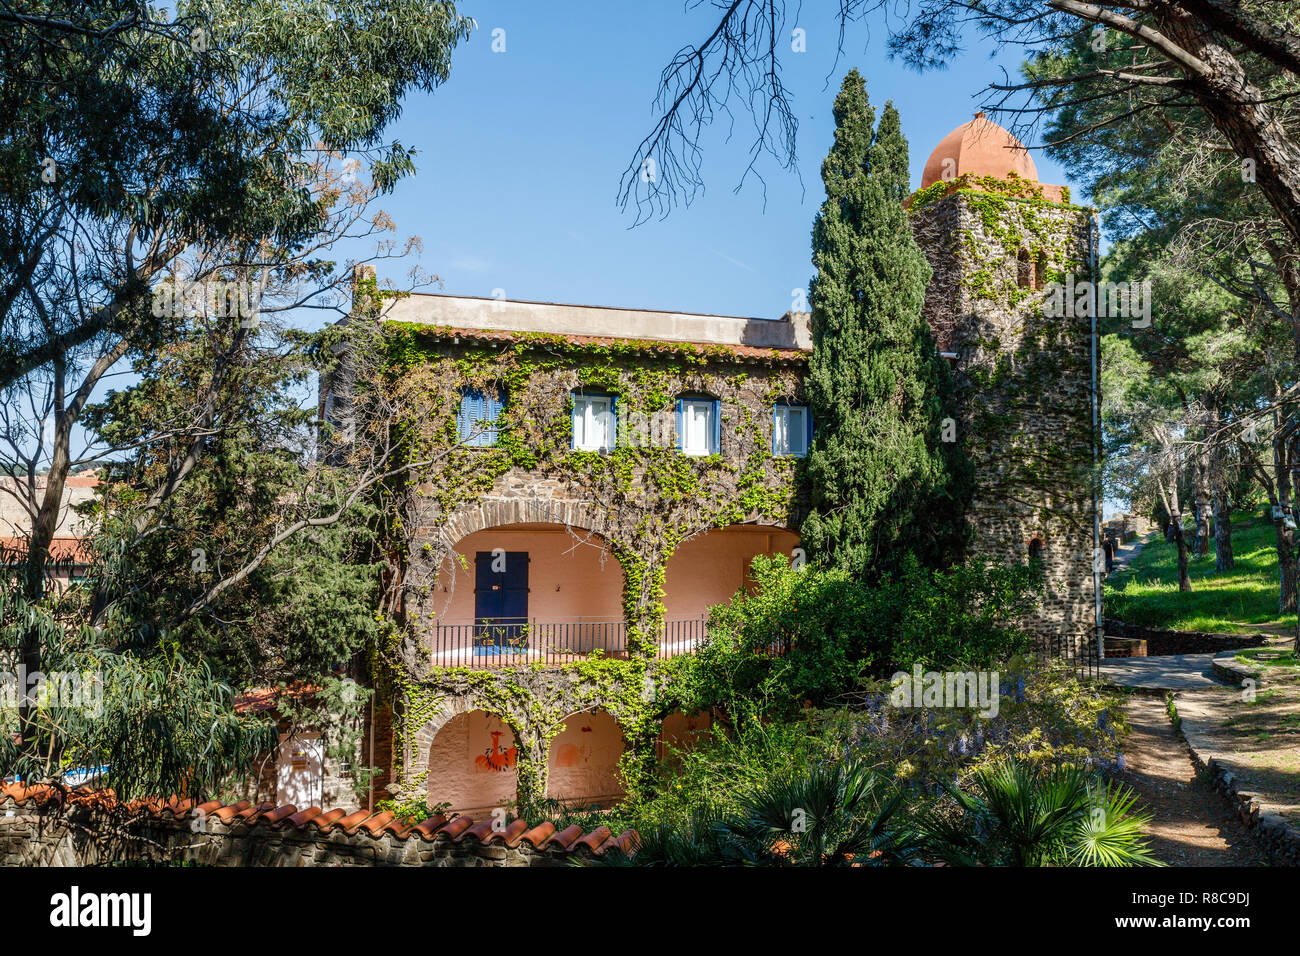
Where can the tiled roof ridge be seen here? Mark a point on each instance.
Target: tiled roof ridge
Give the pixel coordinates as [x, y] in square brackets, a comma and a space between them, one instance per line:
[245, 813]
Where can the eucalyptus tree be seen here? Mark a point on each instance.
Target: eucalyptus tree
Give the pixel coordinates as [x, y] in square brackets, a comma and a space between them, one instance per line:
[177, 193]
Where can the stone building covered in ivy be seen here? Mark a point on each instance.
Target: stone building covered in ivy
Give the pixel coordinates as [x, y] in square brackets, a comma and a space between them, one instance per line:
[998, 242]
[606, 475]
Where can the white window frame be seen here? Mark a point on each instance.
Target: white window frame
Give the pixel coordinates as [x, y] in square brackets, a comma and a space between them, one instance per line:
[795, 440]
[710, 407]
[589, 409]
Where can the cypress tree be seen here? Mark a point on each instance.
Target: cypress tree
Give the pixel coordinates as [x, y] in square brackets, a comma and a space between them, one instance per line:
[883, 482]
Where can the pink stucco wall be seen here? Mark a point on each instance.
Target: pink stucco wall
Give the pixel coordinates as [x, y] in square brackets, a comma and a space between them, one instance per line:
[584, 760]
[472, 760]
[710, 568]
[681, 731]
[472, 763]
[569, 577]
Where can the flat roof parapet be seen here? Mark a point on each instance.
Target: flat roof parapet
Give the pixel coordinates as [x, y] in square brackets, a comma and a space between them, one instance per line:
[791, 331]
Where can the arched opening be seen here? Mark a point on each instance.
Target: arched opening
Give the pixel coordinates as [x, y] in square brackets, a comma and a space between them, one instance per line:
[682, 731]
[473, 763]
[1035, 549]
[710, 568]
[526, 592]
[583, 761]
[1024, 270]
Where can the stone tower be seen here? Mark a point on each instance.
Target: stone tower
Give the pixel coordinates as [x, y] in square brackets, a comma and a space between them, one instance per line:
[997, 239]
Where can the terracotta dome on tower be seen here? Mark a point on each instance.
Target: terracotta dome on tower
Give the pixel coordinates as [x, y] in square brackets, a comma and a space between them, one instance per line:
[980, 147]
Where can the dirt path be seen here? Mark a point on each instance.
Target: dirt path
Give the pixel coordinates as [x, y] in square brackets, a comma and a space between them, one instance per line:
[1192, 825]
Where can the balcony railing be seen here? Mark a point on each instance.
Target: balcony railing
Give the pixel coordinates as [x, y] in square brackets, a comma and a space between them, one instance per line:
[511, 642]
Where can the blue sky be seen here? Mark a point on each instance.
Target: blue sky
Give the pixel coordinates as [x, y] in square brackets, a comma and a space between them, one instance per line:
[522, 151]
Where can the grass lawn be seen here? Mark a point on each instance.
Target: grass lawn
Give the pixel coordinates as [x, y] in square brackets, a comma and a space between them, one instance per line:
[1269, 657]
[1242, 600]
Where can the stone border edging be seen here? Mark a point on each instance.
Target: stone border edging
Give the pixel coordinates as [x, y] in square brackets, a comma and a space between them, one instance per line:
[1276, 836]
[1162, 642]
[1231, 671]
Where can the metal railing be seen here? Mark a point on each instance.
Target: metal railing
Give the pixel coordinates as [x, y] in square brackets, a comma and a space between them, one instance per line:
[511, 642]
[1080, 653]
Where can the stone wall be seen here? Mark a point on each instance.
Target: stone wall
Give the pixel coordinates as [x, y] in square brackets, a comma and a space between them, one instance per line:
[1272, 825]
[1024, 382]
[33, 835]
[1160, 642]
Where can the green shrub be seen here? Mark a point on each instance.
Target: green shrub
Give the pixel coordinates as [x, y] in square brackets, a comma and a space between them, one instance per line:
[1018, 814]
[1046, 716]
[806, 636]
[830, 815]
[412, 810]
[958, 619]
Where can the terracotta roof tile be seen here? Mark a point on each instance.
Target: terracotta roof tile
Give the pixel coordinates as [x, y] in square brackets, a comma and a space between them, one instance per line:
[539, 834]
[247, 814]
[566, 838]
[595, 838]
[64, 549]
[482, 831]
[254, 811]
[327, 819]
[261, 699]
[456, 828]
[353, 820]
[515, 832]
[280, 813]
[303, 817]
[378, 822]
[427, 828]
[226, 814]
[627, 842]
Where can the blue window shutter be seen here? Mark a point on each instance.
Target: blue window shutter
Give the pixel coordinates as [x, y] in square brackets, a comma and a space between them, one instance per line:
[476, 423]
[613, 421]
[716, 438]
[468, 416]
[573, 422]
[681, 423]
[462, 430]
[776, 410]
[495, 405]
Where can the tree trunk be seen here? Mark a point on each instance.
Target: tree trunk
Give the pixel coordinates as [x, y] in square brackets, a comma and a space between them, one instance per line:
[1180, 539]
[1222, 532]
[1239, 110]
[1202, 534]
[1203, 495]
[1286, 539]
[38, 560]
[1169, 498]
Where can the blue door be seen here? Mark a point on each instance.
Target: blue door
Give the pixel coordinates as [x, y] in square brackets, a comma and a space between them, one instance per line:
[500, 602]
